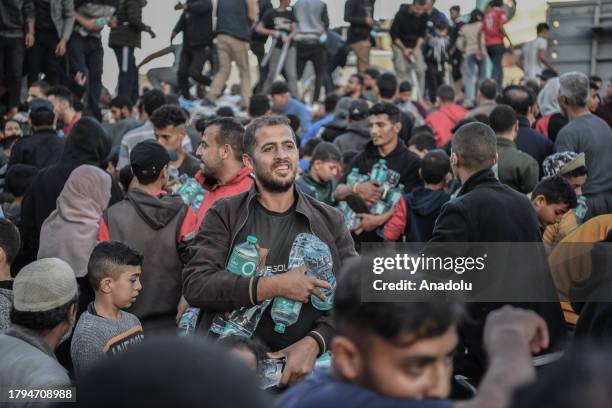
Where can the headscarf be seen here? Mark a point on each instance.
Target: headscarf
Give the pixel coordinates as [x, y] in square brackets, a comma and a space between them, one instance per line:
[70, 232]
[548, 98]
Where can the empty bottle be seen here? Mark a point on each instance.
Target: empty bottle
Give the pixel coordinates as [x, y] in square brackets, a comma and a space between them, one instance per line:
[244, 258]
[188, 322]
[243, 322]
[353, 177]
[379, 172]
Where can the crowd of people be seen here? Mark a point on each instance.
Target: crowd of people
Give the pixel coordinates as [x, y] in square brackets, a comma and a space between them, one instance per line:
[123, 217]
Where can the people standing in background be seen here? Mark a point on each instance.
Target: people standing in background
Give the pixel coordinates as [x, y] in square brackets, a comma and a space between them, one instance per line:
[455, 54]
[282, 100]
[494, 32]
[436, 57]
[258, 44]
[534, 54]
[121, 111]
[53, 27]
[360, 15]
[471, 42]
[123, 39]
[486, 97]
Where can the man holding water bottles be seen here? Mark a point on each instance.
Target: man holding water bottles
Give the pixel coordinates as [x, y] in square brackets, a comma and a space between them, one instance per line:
[275, 213]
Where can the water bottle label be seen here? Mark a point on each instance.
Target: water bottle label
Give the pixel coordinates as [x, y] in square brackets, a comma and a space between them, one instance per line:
[241, 265]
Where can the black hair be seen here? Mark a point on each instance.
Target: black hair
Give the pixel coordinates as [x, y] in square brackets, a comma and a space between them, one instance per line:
[151, 100]
[435, 166]
[294, 122]
[476, 144]
[578, 172]
[326, 151]
[42, 119]
[422, 141]
[254, 345]
[225, 112]
[556, 190]
[121, 101]
[502, 119]
[105, 259]
[355, 318]
[61, 92]
[386, 108]
[126, 175]
[230, 132]
[595, 78]
[542, 27]
[250, 141]
[168, 115]
[309, 146]
[446, 93]
[7, 121]
[19, 178]
[44, 86]
[518, 98]
[10, 240]
[359, 77]
[46, 320]
[259, 105]
[279, 87]
[488, 88]
[373, 73]
[387, 85]
[441, 25]
[474, 16]
[496, 3]
[405, 86]
[330, 102]
[455, 8]
[419, 2]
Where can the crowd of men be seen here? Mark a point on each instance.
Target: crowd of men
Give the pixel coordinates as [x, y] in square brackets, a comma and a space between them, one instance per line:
[104, 253]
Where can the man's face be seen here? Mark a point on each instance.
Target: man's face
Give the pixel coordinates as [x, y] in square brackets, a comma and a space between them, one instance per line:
[280, 99]
[441, 32]
[34, 92]
[326, 170]
[353, 85]
[402, 368]
[549, 214]
[577, 183]
[382, 130]
[127, 287]
[418, 10]
[454, 14]
[12, 128]
[275, 158]
[208, 152]
[429, 5]
[119, 113]
[59, 105]
[593, 100]
[405, 96]
[171, 137]
[369, 82]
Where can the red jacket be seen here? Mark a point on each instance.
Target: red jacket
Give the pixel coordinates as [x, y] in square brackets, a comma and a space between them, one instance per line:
[444, 120]
[241, 182]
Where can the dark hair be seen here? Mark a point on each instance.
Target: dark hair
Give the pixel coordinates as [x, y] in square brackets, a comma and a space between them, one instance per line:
[42, 119]
[107, 257]
[435, 166]
[10, 240]
[294, 122]
[168, 115]
[233, 342]
[387, 85]
[61, 92]
[496, 3]
[488, 88]
[542, 27]
[474, 16]
[46, 320]
[405, 86]
[595, 78]
[43, 85]
[482, 118]
[151, 100]
[259, 105]
[446, 93]
[373, 73]
[19, 178]
[455, 8]
[354, 317]
[225, 112]
[250, 141]
[126, 175]
[279, 87]
[7, 121]
[502, 119]
[326, 151]
[360, 78]
[419, 2]
[121, 101]
[309, 147]
[578, 172]
[441, 25]
[423, 141]
[518, 98]
[231, 132]
[330, 102]
[556, 190]
[386, 108]
[476, 144]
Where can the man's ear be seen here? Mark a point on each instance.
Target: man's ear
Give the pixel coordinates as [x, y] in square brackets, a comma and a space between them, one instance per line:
[455, 161]
[397, 127]
[248, 161]
[106, 285]
[347, 359]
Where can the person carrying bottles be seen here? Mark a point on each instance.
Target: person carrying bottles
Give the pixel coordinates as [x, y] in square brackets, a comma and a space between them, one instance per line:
[275, 213]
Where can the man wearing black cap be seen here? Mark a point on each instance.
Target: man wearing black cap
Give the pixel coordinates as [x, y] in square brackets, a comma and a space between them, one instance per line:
[43, 147]
[159, 226]
[358, 131]
[545, 76]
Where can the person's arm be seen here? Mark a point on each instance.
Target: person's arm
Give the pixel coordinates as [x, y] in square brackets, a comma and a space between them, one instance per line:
[134, 16]
[325, 17]
[29, 15]
[544, 58]
[369, 222]
[88, 24]
[179, 27]
[68, 16]
[252, 11]
[460, 43]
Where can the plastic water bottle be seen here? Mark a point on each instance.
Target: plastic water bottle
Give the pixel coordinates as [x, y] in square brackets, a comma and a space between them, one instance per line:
[395, 195]
[350, 218]
[379, 172]
[271, 372]
[379, 207]
[191, 192]
[243, 322]
[353, 177]
[285, 312]
[187, 323]
[319, 265]
[581, 209]
[244, 258]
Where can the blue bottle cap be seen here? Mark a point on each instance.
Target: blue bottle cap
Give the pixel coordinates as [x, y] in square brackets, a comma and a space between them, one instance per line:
[251, 239]
[279, 328]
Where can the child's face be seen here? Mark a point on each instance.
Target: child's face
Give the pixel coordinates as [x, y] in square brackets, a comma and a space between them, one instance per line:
[577, 183]
[405, 96]
[549, 214]
[127, 287]
[441, 32]
[326, 170]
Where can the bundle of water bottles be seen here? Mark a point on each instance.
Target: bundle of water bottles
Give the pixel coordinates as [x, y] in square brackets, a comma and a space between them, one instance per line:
[386, 179]
[190, 191]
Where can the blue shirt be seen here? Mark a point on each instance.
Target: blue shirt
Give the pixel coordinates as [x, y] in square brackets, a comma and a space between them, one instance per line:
[321, 391]
[297, 108]
[313, 131]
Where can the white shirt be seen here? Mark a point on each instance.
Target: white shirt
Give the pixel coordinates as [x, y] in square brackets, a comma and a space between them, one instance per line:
[532, 64]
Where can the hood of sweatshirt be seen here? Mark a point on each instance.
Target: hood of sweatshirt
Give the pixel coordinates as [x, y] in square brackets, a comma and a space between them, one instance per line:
[88, 143]
[454, 112]
[360, 128]
[424, 201]
[157, 211]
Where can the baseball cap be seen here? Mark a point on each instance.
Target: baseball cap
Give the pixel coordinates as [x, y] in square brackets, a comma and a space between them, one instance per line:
[358, 110]
[148, 158]
[44, 285]
[41, 108]
[562, 163]
[547, 74]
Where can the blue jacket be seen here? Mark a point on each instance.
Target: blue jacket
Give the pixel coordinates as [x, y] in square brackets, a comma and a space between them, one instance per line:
[297, 108]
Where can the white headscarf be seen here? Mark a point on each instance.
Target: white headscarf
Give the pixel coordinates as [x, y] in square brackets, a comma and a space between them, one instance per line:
[548, 98]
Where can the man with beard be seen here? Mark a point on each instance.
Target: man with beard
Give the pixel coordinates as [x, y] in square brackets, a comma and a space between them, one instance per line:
[223, 174]
[275, 212]
[9, 134]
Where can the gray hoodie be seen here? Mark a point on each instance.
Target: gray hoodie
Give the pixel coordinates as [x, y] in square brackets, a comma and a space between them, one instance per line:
[356, 137]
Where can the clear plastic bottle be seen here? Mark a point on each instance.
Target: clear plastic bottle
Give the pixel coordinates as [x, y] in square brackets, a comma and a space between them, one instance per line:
[188, 322]
[379, 207]
[581, 209]
[271, 371]
[353, 177]
[319, 265]
[379, 172]
[244, 258]
[243, 322]
[285, 312]
[191, 192]
[395, 195]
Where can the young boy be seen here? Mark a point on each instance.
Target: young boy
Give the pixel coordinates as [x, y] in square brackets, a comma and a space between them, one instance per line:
[9, 246]
[18, 180]
[422, 141]
[552, 197]
[417, 211]
[320, 178]
[436, 57]
[104, 329]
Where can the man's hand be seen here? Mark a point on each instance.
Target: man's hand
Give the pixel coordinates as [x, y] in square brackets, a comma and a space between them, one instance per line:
[369, 191]
[369, 21]
[113, 22]
[369, 222]
[407, 52]
[29, 39]
[149, 30]
[294, 285]
[301, 358]
[526, 322]
[80, 79]
[479, 56]
[60, 49]
[181, 308]
[172, 35]
[90, 25]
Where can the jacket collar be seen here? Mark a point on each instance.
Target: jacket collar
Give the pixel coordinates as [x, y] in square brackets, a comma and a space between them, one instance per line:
[476, 179]
[372, 150]
[204, 182]
[301, 206]
[505, 142]
[523, 121]
[31, 337]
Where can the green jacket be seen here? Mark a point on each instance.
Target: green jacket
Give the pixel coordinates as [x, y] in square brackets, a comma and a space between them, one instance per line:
[323, 192]
[515, 168]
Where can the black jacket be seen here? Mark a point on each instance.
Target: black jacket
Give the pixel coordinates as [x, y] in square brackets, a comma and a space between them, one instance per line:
[40, 149]
[88, 144]
[355, 13]
[13, 16]
[408, 27]
[130, 25]
[487, 211]
[196, 23]
[401, 159]
[533, 143]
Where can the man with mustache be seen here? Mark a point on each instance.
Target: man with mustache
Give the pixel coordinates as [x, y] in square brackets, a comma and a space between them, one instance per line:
[275, 212]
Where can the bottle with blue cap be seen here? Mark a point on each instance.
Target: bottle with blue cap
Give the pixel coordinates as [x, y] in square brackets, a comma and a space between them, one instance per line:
[244, 258]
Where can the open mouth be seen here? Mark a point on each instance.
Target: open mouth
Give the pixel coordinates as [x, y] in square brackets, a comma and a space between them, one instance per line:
[282, 168]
